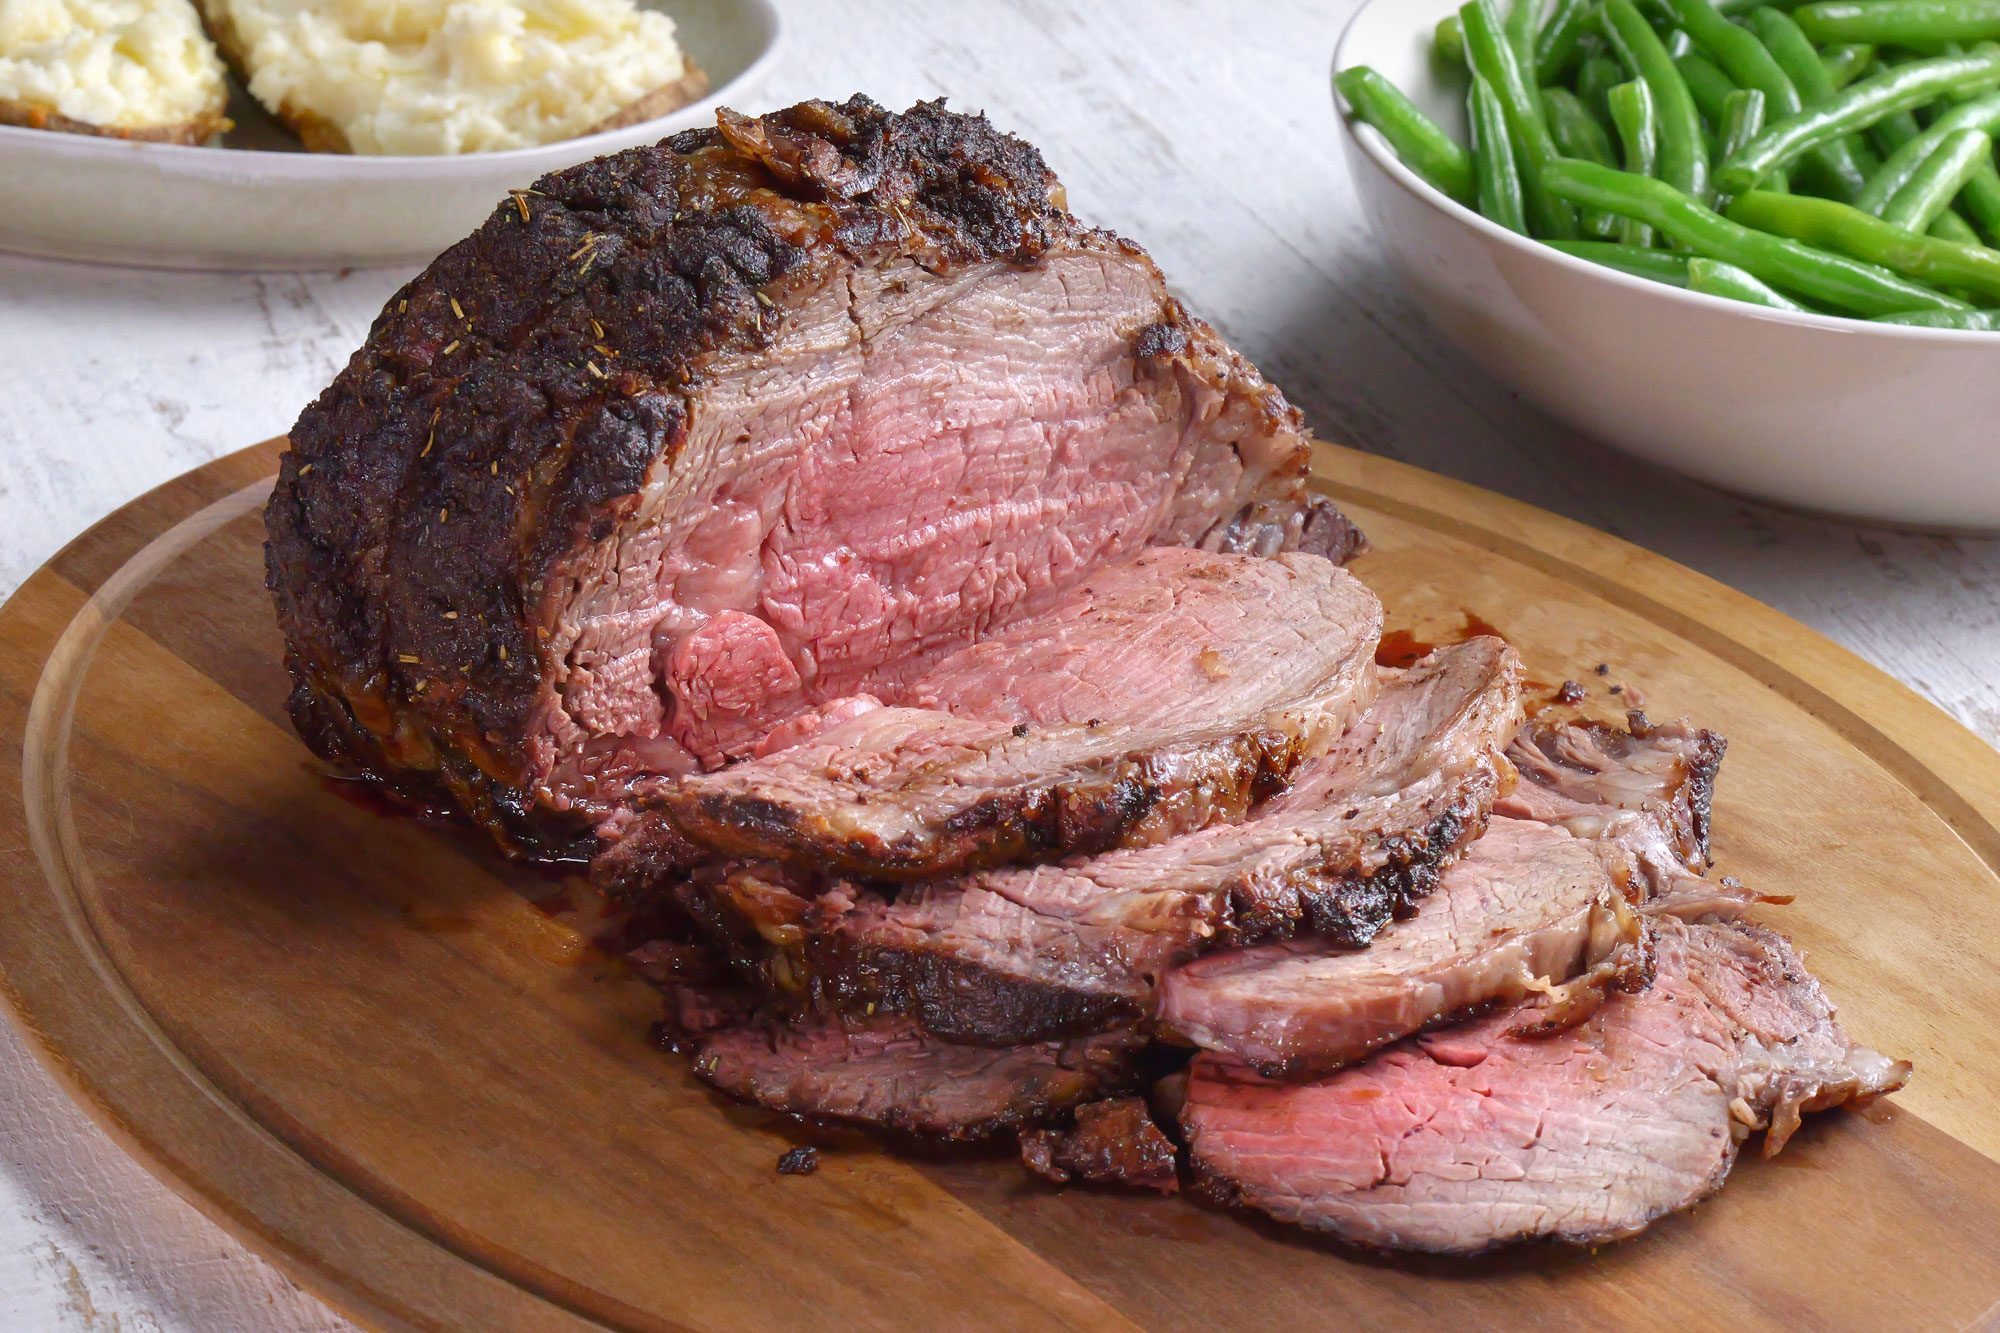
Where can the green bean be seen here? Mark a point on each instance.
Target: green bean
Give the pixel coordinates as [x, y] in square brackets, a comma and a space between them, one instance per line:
[1939, 180]
[1983, 321]
[1849, 231]
[1828, 279]
[1794, 53]
[1981, 113]
[1448, 40]
[1903, 88]
[1707, 84]
[1980, 199]
[1980, 196]
[1417, 139]
[1949, 226]
[1637, 119]
[1596, 77]
[1557, 44]
[1902, 22]
[1712, 277]
[1892, 132]
[1496, 178]
[1751, 65]
[1683, 157]
[1493, 58]
[1576, 131]
[1577, 134]
[1742, 118]
[1844, 64]
[1521, 23]
[1659, 265]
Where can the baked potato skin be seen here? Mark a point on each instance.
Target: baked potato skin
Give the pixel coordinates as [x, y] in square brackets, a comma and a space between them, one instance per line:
[669, 97]
[192, 133]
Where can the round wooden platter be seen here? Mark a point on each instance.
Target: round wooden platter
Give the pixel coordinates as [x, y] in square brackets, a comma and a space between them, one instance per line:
[354, 1041]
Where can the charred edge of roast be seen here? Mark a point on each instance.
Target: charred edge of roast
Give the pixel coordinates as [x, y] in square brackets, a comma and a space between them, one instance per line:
[1265, 527]
[1114, 1142]
[467, 437]
[1691, 802]
[964, 1001]
[1348, 911]
[1096, 1075]
[1696, 797]
[1086, 814]
[732, 940]
[952, 997]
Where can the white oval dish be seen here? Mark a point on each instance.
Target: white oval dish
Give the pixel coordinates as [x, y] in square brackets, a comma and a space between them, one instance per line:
[68, 196]
[1868, 421]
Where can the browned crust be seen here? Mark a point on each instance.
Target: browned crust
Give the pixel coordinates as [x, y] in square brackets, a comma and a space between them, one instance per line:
[460, 459]
[1077, 814]
[1692, 800]
[437, 495]
[1092, 1073]
[1688, 805]
[1114, 1142]
[192, 133]
[964, 1001]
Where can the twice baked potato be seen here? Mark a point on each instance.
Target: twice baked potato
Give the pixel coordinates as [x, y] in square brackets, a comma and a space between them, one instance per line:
[124, 69]
[410, 77]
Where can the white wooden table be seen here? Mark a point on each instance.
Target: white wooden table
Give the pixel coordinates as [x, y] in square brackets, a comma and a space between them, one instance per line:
[1203, 130]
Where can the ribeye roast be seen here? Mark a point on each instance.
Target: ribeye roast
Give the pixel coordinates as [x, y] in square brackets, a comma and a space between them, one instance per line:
[921, 618]
[695, 438]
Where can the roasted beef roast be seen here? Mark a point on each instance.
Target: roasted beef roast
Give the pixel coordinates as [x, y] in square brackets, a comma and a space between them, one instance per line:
[1159, 696]
[691, 440]
[922, 621]
[1499, 1132]
[887, 1073]
[1538, 905]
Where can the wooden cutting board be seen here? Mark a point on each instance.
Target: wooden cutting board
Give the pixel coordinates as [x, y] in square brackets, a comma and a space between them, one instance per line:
[353, 1040]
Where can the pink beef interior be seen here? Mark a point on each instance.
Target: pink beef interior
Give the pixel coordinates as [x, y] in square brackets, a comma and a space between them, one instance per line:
[913, 462]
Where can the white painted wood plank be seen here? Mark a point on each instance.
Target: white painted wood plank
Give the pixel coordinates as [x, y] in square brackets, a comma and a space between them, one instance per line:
[1203, 130]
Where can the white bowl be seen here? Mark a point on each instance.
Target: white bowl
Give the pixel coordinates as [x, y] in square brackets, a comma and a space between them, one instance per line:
[1870, 421]
[69, 196]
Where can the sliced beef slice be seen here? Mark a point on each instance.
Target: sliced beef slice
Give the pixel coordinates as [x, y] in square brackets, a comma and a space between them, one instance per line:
[1479, 1136]
[1163, 694]
[887, 1074]
[693, 438]
[1527, 905]
[1641, 794]
[1602, 822]
[1027, 954]
[1112, 1143]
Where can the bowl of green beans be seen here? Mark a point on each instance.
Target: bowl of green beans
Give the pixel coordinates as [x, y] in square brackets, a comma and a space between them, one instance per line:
[1758, 243]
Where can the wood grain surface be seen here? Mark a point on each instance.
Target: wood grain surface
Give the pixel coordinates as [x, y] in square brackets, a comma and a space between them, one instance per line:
[354, 1040]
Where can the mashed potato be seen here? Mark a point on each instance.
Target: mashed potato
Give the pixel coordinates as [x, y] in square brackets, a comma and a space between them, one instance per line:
[132, 68]
[451, 76]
